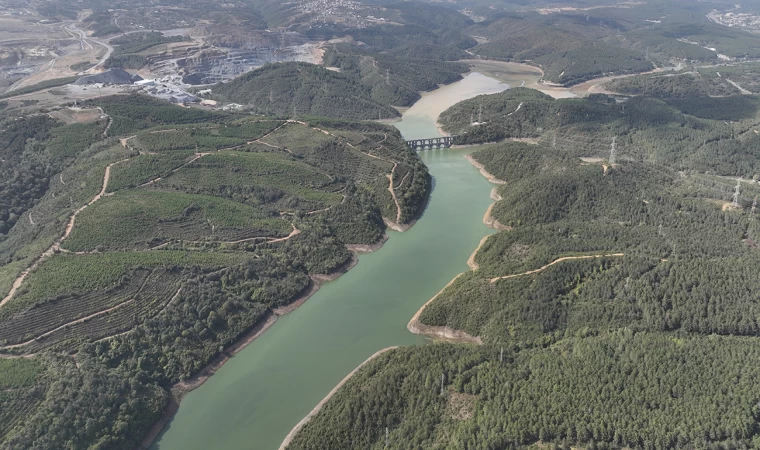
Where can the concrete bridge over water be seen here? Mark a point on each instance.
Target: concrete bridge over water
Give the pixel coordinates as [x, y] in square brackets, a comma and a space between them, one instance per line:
[431, 143]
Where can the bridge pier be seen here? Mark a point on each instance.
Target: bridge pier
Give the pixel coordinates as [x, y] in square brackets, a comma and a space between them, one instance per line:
[431, 143]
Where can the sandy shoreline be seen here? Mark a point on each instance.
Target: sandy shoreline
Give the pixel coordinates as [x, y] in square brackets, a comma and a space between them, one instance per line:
[444, 333]
[319, 406]
[441, 130]
[447, 333]
[492, 222]
[324, 278]
[398, 227]
[368, 248]
[488, 219]
[471, 260]
[179, 390]
[491, 178]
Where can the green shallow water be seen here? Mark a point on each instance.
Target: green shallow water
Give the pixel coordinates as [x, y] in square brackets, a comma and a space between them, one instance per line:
[255, 399]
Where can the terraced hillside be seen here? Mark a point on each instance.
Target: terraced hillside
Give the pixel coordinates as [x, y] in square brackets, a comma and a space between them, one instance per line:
[181, 232]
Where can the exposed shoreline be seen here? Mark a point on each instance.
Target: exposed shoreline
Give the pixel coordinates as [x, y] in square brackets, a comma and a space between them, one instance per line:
[211, 368]
[437, 332]
[324, 278]
[488, 219]
[491, 178]
[441, 130]
[492, 222]
[448, 333]
[471, 260]
[397, 226]
[368, 248]
[179, 390]
[319, 406]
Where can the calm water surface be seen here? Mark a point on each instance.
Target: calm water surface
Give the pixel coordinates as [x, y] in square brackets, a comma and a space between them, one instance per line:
[255, 399]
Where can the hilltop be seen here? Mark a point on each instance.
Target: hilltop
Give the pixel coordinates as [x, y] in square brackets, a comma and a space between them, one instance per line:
[170, 224]
[291, 89]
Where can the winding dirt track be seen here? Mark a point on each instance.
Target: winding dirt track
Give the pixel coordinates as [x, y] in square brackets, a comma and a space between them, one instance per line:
[389, 176]
[196, 157]
[57, 244]
[393, 192]
[556, 261]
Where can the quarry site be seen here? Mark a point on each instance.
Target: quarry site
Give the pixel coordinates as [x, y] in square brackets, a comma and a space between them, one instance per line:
[163, 53]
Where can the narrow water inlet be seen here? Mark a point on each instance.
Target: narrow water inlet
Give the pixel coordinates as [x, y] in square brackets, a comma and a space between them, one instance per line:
[254, 400]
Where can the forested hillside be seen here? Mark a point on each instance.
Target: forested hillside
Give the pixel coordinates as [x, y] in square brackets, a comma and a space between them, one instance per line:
[300, 89]
[393, 80]
[566, 57]
[680, 85]
[155, 249]
[367, 85]
[616, 311]
[706, 134]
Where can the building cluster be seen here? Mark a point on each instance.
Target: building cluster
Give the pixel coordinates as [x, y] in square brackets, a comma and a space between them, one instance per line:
[167, 88]
[745, 21]
[347, 12]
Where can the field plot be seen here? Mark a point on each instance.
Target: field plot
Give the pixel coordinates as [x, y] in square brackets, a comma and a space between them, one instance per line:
[328, 152]
[19, 395]
[165, 240]
[141, 219]
[76, 115]
[44, 317]
[68, 274]
[16, 405]
[157, 291]
[15, 374]
[297, 138]
[203, 138]
[257, 178]
[147, 167]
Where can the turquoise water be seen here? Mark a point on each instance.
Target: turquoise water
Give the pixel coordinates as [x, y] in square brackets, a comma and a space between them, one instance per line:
[255, 399]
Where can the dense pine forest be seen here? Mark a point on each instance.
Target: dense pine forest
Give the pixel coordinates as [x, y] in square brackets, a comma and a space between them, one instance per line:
[616, 309]
[142, 242]
[367, 85]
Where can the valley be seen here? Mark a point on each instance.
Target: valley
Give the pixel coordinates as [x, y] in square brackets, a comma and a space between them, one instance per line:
[211, 221]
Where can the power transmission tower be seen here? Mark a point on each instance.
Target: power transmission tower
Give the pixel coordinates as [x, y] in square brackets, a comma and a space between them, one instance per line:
[737, 190]
[554, 141]
[443, 379]
[386, 437]
[480, 114]
[501, 355]
[754, 205]
[388, 77]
